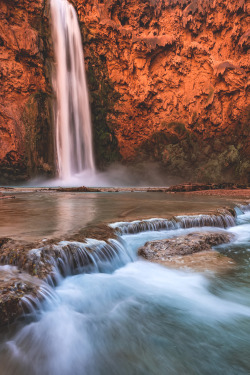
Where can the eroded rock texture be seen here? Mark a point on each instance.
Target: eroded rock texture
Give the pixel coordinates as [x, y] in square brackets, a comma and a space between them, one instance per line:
[183, 245]
[14, 285]
[170, 79]
[169, 82]
[25, 113]
[193, 251]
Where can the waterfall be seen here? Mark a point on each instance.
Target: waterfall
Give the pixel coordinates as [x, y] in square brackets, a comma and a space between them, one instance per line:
[73, 121]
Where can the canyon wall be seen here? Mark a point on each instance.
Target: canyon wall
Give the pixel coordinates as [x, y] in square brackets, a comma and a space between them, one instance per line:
[173, 76]
[26, 142]
[168, 80]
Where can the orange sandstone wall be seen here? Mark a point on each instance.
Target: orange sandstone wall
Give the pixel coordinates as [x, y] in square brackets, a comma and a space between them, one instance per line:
[168, 79]
[181, 72]
[25, 113]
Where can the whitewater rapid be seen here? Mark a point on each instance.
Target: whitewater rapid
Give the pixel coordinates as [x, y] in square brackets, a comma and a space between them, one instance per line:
[135, 317]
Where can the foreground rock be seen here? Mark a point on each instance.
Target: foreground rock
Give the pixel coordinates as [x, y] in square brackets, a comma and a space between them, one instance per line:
[14, 286]
[26, 265]
[190, 251]
[40, 258]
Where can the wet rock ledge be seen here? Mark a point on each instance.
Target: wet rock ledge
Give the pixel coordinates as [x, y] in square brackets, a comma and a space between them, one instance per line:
[193, 251]
[15, 285]
[27, 269]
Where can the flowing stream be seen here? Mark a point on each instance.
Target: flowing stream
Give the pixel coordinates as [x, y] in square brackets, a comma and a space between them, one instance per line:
[127, 316]
[73, 121]
[121, 315]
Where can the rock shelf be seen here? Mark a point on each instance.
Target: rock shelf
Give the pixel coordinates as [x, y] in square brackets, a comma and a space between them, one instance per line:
[193, 251]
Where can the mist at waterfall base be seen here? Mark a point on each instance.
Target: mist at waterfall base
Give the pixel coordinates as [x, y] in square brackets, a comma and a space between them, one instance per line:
[139, 318]
[118, 175]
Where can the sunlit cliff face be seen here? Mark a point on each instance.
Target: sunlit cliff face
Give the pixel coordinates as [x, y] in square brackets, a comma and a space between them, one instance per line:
[168, 83]
[26, 144]
[180, 69]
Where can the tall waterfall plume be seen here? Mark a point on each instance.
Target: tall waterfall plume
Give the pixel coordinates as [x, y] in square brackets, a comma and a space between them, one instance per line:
[73, 121]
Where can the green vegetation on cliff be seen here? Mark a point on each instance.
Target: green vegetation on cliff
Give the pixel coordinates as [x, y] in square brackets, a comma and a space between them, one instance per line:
[103, 98]
[37, 118]
[183, 153]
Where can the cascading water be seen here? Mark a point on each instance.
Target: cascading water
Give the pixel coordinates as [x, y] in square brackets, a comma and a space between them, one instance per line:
[136, 317]
[73, 121]
[223, 220]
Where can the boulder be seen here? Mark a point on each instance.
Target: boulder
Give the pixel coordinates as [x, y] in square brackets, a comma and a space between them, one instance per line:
[193, 250]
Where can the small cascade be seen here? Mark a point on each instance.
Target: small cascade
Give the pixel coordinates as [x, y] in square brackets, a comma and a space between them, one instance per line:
[242, 208]
[92, 256]
[73, 121]
[223, 220]
[69, 258]
[33, 302]
[138, 226]
[57, 261]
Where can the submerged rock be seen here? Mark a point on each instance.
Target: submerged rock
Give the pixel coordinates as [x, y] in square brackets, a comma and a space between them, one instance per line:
[193, 250]
[202, 261]
[2, 196]
[200, 187]
[80, 189]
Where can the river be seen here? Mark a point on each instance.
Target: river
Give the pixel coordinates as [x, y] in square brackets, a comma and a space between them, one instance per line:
[132, 317]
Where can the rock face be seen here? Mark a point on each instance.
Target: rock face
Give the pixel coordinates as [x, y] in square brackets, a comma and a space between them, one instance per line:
[193, 251]
[25, 111]
[171, 81]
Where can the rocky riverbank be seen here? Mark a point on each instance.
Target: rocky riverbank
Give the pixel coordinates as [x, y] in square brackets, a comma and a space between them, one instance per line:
[223, 189]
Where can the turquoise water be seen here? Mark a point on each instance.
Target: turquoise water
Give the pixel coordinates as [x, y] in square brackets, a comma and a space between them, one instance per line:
[141, 319]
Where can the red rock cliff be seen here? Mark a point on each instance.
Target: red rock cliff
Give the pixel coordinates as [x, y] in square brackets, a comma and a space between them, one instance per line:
[25, 119]
[169, 82]
[181, 70]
